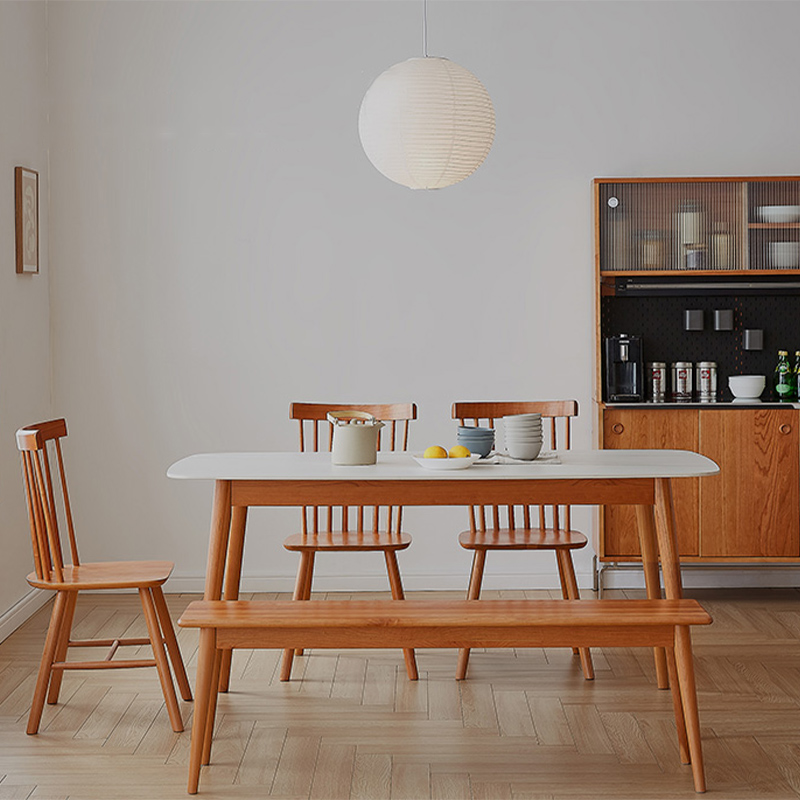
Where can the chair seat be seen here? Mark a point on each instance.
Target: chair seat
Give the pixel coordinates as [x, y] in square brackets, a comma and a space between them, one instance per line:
[107, 575]
[348, 540]
[522, 539]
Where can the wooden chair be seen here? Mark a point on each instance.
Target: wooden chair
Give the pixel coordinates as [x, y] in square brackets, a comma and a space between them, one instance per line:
[355, 529]
[523, 527]
[48, 503]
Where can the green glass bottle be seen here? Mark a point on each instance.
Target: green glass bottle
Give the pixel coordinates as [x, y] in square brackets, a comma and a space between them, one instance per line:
[797, 373]
[785, 383]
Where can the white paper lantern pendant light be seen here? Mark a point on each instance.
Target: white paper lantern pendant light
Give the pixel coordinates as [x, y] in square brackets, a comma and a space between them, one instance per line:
[426, 123]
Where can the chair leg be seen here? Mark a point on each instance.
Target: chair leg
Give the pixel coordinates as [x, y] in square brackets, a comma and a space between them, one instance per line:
[48, 657]
[160, 656]
[564, 588]
[396, 585]
[171, 641]
[566, 567]
[473, 593]
[302, 591]
[62, 647]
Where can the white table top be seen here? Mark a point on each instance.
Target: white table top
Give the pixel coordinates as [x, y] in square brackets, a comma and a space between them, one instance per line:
[570, 465]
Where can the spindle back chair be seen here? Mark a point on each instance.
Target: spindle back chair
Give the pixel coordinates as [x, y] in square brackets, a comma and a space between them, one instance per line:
[523, 527]
[345, 528]
[60, 570]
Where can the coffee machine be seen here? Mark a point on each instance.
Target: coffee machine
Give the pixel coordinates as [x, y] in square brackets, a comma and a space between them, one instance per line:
[623, 373]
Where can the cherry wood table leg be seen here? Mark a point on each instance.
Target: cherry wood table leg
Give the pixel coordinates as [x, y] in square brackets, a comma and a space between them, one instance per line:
[685, 668]
[233, 578]
[203, 692]
[677, 706]
[218, 540]
[667, 539]
[652, 581]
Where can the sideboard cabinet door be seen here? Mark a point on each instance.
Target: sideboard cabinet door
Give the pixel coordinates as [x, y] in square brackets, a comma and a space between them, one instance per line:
[750, 510]
[662, 429]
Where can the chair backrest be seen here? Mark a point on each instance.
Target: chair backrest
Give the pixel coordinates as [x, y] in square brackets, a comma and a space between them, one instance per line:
[557, 418]
[316, 434]
[39, 446]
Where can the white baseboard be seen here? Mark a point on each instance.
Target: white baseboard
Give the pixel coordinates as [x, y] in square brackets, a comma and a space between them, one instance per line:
[22, 610]
[700, 577]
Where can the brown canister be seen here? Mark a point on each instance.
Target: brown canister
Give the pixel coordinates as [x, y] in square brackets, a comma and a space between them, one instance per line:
[682, 380]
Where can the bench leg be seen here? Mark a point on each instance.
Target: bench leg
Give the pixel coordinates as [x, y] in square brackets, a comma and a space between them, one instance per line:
[473, 593]
[203, 691]
[212, 708]
[685, 668]
[302, 591]
[233, 577]
[396, 585]
[647, 542]
[570, 591]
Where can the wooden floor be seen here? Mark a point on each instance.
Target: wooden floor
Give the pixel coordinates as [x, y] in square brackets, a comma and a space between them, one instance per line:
[524, 725]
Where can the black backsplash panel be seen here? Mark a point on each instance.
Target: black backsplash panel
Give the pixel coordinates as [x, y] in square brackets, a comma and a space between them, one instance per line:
[659, 321]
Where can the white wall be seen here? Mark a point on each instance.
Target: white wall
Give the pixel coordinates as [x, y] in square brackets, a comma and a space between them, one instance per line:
[221, 246]
[24, 303]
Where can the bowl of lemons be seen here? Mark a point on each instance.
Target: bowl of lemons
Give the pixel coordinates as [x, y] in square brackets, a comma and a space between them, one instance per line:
[436, 457]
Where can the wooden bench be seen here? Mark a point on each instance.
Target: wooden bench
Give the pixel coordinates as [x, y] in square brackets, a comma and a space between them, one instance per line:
[227, 625]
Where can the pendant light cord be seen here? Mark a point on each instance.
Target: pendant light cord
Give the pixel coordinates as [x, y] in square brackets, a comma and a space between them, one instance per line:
[425, 28]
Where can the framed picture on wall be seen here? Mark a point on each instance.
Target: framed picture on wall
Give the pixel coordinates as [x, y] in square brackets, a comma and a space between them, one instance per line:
[26, 190]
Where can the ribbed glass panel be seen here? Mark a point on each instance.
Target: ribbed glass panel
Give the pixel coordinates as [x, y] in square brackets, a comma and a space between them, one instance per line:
[652, 226]
[426, 123]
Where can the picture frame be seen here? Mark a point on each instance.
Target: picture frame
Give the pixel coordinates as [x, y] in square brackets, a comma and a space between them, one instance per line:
[26, 193]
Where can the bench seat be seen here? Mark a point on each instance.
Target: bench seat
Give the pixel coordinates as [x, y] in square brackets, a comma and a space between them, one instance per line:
[226, 625]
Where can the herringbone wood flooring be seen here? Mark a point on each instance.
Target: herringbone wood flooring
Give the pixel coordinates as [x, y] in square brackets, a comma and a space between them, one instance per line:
[350, 725]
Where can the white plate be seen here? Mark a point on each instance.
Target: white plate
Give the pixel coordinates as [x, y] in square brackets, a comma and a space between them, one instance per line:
[446, 463]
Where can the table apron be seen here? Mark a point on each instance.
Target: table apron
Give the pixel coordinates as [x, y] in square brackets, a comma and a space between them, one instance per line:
[579, 491]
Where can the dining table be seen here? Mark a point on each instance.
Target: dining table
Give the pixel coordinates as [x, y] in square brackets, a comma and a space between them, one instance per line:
[640, 478]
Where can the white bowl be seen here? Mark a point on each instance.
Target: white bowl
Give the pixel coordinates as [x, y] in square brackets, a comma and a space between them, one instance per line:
[526, 452]
[749, 386]
[784, 255]
[779, 214]
[446, 463]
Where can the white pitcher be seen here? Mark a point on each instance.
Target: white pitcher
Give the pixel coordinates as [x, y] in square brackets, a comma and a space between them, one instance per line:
[355, 437]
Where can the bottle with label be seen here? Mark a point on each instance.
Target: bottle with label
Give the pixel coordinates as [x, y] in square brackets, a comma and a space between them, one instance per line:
[784, 382]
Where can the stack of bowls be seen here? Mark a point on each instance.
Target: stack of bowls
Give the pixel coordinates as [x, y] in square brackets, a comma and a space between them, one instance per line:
[479, 441]
[523, 435]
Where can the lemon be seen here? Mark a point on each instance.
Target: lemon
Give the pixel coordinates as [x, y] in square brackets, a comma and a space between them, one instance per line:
[459, 451]
[435, 452]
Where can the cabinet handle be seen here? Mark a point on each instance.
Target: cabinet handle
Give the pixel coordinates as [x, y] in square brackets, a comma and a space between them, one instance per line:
[617, 427]
[785, 428]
